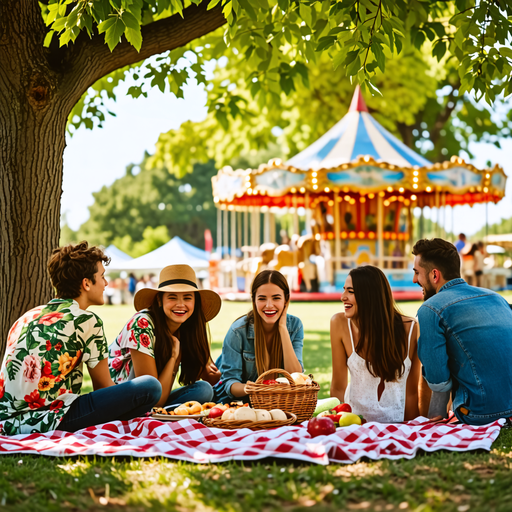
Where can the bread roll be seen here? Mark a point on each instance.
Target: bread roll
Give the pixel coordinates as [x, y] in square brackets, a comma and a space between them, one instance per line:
[277, 414]
[262, 415]
[245, 413]
[228, 414]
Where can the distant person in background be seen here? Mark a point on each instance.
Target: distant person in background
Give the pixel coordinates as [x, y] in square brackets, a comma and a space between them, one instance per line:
[460, 243]
[132, 283]
[478, 263]
[468, 265]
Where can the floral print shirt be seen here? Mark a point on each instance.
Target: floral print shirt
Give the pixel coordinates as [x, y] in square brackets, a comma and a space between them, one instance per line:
[41, 374]
[137, 334]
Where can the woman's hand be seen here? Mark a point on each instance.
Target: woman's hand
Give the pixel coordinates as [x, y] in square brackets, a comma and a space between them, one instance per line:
[175, 347]
[282, 318]
[211, 374]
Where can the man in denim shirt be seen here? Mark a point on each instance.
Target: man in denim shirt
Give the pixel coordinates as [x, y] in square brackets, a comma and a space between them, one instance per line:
[465, 342]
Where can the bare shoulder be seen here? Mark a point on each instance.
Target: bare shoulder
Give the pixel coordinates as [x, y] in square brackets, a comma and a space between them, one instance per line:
[339, 319]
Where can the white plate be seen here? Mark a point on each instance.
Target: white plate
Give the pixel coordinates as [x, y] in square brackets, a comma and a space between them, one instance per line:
[169, 417]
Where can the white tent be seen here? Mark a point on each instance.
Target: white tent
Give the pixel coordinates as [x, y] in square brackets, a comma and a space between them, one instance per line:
[117, 257]
[174, 252]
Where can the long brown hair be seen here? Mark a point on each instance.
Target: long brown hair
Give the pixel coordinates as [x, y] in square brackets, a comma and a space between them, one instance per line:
[382, 337]
[265, 359]
[194, 336]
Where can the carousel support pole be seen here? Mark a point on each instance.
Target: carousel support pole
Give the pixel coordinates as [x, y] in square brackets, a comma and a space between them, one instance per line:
[380, 231]
[486, 219]
[444, 216]
[233, 248]
[337, 230]
[422, 224]
[225, 232]
[295, 216]
[266, 227]
[239, 215]
[308, 215]
[272, 221]
[246, 227]
[453, 223]
[438, 225]
[219, 232]
[254, 242]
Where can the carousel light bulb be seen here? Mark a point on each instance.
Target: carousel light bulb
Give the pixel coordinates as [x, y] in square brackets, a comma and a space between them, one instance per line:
[327, 189]
[386, 203]
[415, 180]
[347, 198]
[407, 202]
[317, 236]
[415, 185]
[382, 194]
[401, 190]
[415, 173]
[331, 203]
[486, 190]
[315, 187]
[302, 189]
[314, 174]
[249, 191]
[413, 198]
[314, 180]
[362, 199]
[390, 189]
[429, 189]
[248, 184]
[371, 196]
[293, 190]
[487, 175]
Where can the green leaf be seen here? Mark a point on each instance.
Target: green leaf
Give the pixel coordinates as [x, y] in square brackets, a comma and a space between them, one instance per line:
[306, 14]
[114, 33]
[48, 39]
[506, 52]
[439, 50]
[212, 4]
[325, 42]
[105, 25]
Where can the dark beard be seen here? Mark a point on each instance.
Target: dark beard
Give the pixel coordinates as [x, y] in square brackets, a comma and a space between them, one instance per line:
[428, 292]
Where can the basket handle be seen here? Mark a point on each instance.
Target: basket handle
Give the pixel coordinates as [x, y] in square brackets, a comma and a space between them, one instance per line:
[260, 379]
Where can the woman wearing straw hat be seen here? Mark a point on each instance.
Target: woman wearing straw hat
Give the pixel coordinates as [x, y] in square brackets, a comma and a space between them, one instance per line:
[267, 337]
[168, 331]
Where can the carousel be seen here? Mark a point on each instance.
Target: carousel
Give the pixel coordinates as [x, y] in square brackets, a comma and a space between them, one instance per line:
[350, 197]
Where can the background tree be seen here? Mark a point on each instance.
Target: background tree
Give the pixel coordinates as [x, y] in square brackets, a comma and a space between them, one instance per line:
[129, 212]
[53, 51]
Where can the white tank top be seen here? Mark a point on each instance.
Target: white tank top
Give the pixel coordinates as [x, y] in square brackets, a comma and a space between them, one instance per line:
[362, 392]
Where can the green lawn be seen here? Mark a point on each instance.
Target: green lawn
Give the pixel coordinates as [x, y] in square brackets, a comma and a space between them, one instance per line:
[430, 482]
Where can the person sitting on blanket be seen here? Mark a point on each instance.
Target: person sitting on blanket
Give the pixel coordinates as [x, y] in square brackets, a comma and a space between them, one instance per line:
[170, 329]
[265, 338]
[42, 371]
[378, 345]
[465, 344]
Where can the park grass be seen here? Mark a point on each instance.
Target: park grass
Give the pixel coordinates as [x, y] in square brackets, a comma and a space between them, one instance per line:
[476, 481]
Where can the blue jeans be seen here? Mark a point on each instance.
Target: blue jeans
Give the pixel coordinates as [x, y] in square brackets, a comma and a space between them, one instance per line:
[121, 402]
[201, 391]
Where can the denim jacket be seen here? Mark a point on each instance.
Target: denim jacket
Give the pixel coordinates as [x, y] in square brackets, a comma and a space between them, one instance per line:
[465, 346]
[237, 363]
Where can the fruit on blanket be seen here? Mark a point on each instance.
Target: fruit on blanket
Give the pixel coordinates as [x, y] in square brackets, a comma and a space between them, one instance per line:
[349, 418]
[325, 405]
[321, 426]
[270, 382]
[344, 407]
[262, 415]
[215, 412]
[245, 413]
[222, 407]
[278, 414]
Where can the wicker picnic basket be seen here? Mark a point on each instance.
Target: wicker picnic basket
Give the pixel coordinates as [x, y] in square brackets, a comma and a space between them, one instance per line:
[253, 425]
[299, 399]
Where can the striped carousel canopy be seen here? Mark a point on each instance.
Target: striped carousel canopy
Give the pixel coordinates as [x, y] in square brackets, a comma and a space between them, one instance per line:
[357, 134]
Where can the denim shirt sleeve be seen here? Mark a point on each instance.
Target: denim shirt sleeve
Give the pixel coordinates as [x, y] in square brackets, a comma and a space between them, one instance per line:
[231, 367]
[432, 351]
[297, 339]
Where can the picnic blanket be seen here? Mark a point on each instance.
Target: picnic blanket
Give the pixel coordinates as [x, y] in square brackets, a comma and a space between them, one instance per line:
[191, 441]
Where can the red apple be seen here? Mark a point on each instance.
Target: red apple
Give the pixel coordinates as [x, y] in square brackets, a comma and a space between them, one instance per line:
[215, 412]
[321, 426]
[270, 382]
[343, 408]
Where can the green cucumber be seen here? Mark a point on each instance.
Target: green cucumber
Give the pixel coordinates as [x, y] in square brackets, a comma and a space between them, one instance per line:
[325, 405]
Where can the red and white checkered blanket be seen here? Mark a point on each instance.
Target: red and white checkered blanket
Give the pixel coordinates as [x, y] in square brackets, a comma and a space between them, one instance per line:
[191, 441]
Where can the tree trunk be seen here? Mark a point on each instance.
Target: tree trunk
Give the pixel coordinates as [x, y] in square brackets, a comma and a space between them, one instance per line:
[32, 141]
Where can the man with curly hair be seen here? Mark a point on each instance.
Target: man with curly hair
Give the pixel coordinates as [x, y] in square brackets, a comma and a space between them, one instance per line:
[465, 342]
[42, 371]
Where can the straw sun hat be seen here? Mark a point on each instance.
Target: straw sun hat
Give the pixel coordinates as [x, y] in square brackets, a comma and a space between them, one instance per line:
[179, 278]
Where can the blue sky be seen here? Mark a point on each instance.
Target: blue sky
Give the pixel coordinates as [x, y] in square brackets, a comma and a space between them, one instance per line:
[94, 158]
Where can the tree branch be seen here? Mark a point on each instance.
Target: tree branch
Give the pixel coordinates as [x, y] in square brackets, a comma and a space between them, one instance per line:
[88, 60]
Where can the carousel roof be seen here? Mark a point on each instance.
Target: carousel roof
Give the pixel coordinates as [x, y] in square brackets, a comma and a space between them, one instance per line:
[357, 134]
[358, 156]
